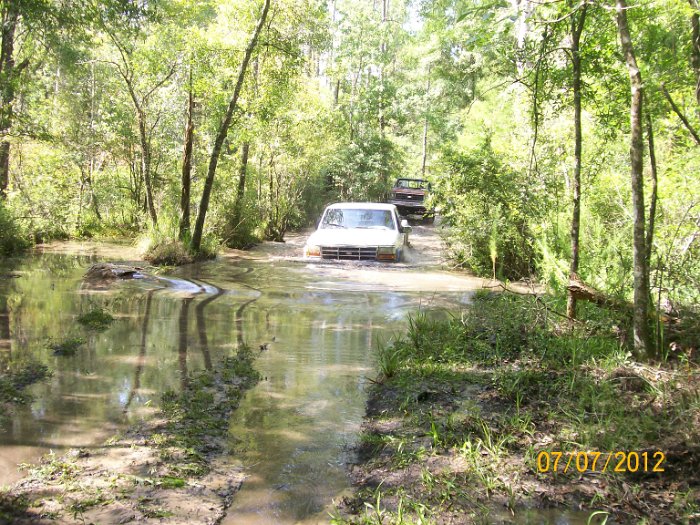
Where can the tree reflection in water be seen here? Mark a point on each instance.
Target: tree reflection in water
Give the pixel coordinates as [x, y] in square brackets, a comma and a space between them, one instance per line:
[141, 360]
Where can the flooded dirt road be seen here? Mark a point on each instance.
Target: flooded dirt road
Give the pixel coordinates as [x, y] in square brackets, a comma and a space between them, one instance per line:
[317, 327]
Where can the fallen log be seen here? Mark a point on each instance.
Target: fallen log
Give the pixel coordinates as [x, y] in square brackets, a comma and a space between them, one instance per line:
[583, 292]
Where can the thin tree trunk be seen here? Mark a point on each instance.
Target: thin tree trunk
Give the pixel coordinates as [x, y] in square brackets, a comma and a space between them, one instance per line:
[424, 157]
[382, 51]
[695, 52]
[642, 338]
[187, 167]
[223, 132]
[684, 119]
[91, 165]
[577, 25]
[654, 185]
[652, 219]
[146, 166]
[240, 192]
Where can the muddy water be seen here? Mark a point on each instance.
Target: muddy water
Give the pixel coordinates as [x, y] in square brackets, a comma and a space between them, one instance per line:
[316, 327]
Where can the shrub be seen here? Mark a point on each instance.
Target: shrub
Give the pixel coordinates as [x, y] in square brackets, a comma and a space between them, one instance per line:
[12, 237]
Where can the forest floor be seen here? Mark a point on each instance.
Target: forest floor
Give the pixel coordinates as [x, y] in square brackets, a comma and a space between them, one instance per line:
[469, 415]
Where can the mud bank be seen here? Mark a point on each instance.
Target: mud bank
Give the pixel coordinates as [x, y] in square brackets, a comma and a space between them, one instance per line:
[173, 467]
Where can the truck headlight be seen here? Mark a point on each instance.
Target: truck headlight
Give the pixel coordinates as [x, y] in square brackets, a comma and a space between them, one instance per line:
[386, 253]
[312, 251]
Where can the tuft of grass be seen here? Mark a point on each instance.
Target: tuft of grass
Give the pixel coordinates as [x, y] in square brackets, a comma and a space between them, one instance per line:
[53, 468]
[96, 319]
[66, 347]
[168, 252]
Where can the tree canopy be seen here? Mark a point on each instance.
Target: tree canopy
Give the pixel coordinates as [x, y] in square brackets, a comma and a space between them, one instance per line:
[122, 117]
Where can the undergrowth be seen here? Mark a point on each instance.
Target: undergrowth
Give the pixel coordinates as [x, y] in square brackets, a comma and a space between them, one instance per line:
[480, 394]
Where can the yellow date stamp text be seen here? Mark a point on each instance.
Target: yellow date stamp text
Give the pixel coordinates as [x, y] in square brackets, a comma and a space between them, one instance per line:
[594, 461]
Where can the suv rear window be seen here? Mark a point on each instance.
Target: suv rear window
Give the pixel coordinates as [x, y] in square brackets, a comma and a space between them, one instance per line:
[413, 184]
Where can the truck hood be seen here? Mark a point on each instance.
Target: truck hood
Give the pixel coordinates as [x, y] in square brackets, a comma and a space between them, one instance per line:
[354, 237]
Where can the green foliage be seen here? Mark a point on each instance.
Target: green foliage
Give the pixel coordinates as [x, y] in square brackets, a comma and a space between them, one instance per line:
[491, 229]
[96, 319]
[12, 237]
[363, 170]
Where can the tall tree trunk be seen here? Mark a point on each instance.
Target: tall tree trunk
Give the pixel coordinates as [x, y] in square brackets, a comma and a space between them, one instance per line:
[187, 167]
[145, 145]
[577, 25]
[382, 51]
[652, 216]
[9, 72]
[223, 131]
[642, 338]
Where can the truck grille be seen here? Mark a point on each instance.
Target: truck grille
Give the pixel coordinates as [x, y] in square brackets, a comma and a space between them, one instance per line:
[409, 197]
[348, 253]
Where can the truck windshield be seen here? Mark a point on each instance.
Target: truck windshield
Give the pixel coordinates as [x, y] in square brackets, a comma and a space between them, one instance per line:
[357, 218]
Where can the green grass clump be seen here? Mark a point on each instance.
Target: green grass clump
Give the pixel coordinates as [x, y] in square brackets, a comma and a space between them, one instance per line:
[66, 347]
[168, 252]
[96, 319]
